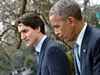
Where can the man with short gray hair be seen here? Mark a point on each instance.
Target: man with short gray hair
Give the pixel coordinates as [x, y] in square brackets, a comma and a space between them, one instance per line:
[66, 18]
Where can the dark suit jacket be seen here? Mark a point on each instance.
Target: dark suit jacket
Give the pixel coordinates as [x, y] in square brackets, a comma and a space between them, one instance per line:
[53, 60]
[90, 52]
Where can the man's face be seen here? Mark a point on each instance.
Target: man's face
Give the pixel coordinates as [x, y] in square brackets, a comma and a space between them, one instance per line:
[64, 29]
[28, 35]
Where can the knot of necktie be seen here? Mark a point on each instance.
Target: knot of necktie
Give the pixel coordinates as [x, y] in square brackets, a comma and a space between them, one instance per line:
[76, 45]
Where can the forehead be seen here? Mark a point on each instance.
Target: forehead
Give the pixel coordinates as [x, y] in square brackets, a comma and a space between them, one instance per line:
[52, 18]
[55, 17]
[22, 27]
[56, 20]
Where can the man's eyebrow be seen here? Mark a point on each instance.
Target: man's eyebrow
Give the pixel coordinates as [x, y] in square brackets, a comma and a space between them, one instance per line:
[22, 31]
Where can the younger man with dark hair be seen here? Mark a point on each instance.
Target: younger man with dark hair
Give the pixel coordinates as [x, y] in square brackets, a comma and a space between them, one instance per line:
[51, 58]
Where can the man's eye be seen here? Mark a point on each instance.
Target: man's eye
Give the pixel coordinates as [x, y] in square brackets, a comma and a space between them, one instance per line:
[56, 26]
[25, 31]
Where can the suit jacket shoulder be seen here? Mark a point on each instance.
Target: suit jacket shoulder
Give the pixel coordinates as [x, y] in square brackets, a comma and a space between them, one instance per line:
[90, 51]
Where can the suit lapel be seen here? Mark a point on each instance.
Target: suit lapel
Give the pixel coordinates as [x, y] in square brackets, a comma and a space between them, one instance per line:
[42, 55]
[84, 45]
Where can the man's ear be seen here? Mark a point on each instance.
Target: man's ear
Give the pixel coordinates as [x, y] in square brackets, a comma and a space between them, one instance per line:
[38, 29]
[71, 21]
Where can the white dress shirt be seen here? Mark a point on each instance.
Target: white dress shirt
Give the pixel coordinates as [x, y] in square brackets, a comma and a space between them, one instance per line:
[38, 48]
[80, 38]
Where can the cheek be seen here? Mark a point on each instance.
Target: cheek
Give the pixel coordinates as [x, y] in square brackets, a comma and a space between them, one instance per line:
[63, 31]
[63, 28]
[29, 35]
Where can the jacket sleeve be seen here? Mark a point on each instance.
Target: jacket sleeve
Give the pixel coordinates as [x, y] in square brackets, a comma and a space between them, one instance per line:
[96, 58]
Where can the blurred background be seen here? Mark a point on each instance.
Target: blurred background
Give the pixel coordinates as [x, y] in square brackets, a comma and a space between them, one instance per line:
[13, 52]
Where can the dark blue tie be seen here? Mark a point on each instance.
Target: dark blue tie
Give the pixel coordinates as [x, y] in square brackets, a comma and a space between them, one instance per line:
[76, 55]
[37, 55]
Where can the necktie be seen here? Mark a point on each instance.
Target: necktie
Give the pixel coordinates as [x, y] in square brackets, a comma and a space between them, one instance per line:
[76, 55]
[37, 55]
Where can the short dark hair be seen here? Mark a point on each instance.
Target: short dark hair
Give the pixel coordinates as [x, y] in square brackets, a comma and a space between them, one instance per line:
[65, 8]
[33, 20]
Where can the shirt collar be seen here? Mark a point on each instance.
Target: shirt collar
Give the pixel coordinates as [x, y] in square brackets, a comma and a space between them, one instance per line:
[81, 35]
[38, 48]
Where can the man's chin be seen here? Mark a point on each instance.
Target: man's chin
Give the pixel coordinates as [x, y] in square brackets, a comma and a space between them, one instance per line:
[66, 40]
[28, 45]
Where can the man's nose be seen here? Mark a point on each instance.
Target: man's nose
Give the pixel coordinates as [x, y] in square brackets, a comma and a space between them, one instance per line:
[56, 32]
[22, 36]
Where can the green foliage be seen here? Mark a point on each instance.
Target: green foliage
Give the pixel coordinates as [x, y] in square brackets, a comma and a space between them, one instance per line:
[71, 60]
[97, 24]
[67, 49]
[4, 62]
[5, 58]
[31, 49]
[29, 60]
[30, 63]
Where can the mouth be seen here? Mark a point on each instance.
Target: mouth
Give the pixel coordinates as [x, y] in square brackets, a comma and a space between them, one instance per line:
[26, 41]
[62, 37]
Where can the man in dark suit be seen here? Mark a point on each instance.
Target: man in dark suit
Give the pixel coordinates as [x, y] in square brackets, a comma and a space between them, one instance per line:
[51, 58]
[66, 18]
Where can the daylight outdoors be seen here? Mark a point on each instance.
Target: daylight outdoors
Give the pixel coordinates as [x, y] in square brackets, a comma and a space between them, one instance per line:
[14, 55]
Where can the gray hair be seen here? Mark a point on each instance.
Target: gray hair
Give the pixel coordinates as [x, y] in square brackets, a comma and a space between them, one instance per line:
[65, 8]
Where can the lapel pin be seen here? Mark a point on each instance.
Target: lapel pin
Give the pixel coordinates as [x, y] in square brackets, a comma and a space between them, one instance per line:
[84, 50]
[41, 55]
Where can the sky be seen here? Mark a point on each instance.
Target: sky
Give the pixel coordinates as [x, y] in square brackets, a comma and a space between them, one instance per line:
[92, 2]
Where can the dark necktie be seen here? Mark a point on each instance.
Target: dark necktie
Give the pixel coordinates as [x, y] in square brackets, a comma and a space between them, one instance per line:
[37, 55]
[77, 57]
